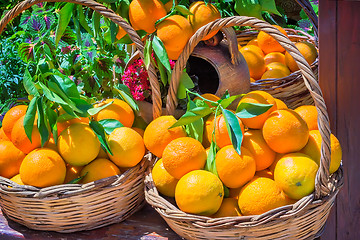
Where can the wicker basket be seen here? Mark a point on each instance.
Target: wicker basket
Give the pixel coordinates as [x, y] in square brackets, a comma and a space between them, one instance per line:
[77, 207]
[291, 89]
[304, 219]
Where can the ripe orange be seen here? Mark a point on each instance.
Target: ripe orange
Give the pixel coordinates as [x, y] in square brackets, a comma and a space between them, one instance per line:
[62, 125]
[268, 44]
[199, 192]
[278, 65]
[72, 172]
[78, 144]
[21, 141]
[261, 195]
[309, 114]
[277, 158]
[203, 14]
[295, 174]
[10, 159]
[221, 132]
[313, 149]
[17, 179]
[11, 117]
[174, 32]
[208, 130]
[3, 135]
[258, 97]
[280, 104]
[139, 131]
[285, 131]
[127, 147]
[51, 144]
[309, 52]
[274, 73]
[157, 134]
[252, 48]
[183, 155]
[118, 110]
[274, 57]
[121, 33]
[233, 169]
[102, 153]
[229, 208]
[164, 182]
[253, 41]
[254, 142]
[144, 13]
[43, 167]
[255, 62]
[252, 80]
[98, 169]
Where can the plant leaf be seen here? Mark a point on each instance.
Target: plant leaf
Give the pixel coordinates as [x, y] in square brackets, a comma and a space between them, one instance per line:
[251, 8]
[29, 84]
[93, 111]
[41, 122]
[196, 129]
[227, 101]
[127, 98]
[82, 20]
[82, 105]
[110, 125]
[67, 85]
[52, 118]
[210, 161]
[159, 50]
[250, 110]
[52, 96]
[202, 111]
[270, 6]
[183, 10]
[30, 117]
[186, 80]
[100, 133]
[64, 19]
[147, 54]
[234, 129]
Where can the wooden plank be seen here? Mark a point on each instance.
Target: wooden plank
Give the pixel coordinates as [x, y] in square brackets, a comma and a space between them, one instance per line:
[327, 80]
[348, 117]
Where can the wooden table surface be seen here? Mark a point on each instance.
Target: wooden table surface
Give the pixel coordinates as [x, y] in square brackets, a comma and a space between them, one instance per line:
[146, 224]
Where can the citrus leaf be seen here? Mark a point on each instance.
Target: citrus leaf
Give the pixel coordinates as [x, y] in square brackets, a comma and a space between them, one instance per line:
[78, 179]
[250, 110]
[29, 84]
[67, 85]
[113, 31]
[160, 52]
[251, 8]
[181, 93]
[234, 129]
[225, 95]
[196, 129]
[110, 125]
[64, 19]
[226, 191]
[210, 161]
[202, 111]
[52, 118]
[100, 133]
[82, 105]
[227, 101]
[183, 10]
[30, 117]
[190, 116]
[147, 54]
[41, 122]
[95, 110]
[270, 6]
[186, 80]
[128, 98]
[52, 96]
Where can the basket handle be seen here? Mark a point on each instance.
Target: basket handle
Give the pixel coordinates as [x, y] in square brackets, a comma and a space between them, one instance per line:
[309, 11]
[322, 178]
[106, 12]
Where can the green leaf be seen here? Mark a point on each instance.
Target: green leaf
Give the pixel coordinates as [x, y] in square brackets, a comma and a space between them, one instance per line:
[113, 31]
[128, 99]
[82, 20]
[93, 111]
[160, 52]
[270, 6]
[139, 122]
[30, 117]
[163, 74]
[183, 10]
[250, 110]
[96, 23]
[78, 179]
[41, 122]
[226, 191]
[225, 95]
[29, 84]
[186, 80]
[186, 119]
[181, 93]
[52, 119]
[100, 133]
[226, 102]
[110, 125]
[202, 111]
[67, 85]
[52, 96]
[234, 129]
[196, 129]
[210, 164]
[147, 54]
[127, 40]
[64, 19]
[82, 105]
[251, 8]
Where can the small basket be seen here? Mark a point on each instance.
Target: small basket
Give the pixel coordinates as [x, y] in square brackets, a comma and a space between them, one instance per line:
[303, 220]
[78, 207]
[290, 89]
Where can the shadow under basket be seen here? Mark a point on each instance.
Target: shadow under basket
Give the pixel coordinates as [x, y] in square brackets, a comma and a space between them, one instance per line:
[76, 207]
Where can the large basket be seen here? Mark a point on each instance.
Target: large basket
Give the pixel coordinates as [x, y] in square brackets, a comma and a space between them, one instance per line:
[290, 89]
[303, 220]
[77, 207]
